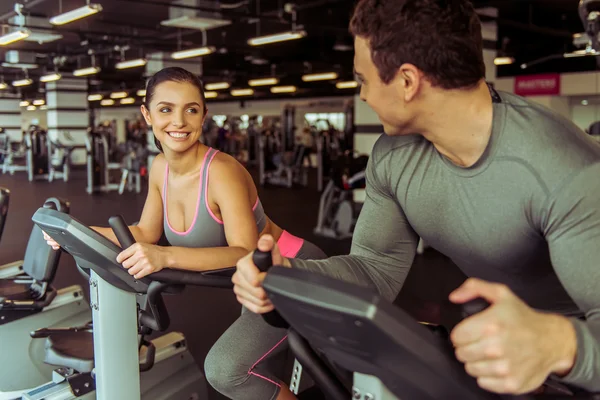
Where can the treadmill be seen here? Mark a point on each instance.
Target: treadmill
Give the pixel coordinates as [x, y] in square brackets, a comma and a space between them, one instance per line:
[337, 326]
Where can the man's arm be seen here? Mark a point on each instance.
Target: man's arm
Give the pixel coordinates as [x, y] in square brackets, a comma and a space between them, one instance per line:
[383, 244]
[571, 226]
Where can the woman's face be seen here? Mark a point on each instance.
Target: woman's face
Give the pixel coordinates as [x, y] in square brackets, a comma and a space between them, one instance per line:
[176, 114]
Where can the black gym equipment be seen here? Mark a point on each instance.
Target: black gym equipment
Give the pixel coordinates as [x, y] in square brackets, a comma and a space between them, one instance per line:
[338, 327]
[117, 316]
[4, 201]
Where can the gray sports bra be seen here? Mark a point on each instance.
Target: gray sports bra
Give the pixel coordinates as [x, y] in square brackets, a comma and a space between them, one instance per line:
[206, 229]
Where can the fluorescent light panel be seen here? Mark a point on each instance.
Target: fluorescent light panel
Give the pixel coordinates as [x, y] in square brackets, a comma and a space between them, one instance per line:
[138, 62]
[283, 89]
[263, 82]
[24, 103]
[94, 97]
[141, 92]
[86, 71]
[76, 14]
[278, 37]
[128, 100]
[210, 95]
[217, 86]
[50, 77]
[107, 102]
[3, 85]
[504, 60]
[200, 51]
[31, 108]
[346, 85]
[22, 82]
[319, 77]
[39, 102]
[242, 92]
[44, 107]
[118, 95]
[13, 37]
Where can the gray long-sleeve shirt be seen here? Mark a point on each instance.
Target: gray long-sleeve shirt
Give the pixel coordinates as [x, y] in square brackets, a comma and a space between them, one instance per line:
[527, 214]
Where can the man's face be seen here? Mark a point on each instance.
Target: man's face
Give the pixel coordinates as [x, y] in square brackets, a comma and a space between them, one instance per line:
[387, 100]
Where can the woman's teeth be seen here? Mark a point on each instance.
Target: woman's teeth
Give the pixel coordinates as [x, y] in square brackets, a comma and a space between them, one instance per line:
[178, 135]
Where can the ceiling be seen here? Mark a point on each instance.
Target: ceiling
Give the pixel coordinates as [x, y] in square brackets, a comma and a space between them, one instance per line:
[527, 30]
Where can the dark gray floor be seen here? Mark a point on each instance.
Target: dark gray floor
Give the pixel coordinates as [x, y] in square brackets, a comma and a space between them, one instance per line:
[203, 314]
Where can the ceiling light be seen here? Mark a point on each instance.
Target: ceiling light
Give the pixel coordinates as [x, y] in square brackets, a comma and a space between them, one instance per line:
[346, 85]
[262, 82]
[210, 95]
[107, 102]
[138, 62]
[39, 102]
[13, 37]
[584, 102]
[22, 82]
[504, 60]
[193, 22]
[50, 77]
[86, 71]
[118, 95]
[94, 97]
[31, 108]
[3, 85]
[319, 77]
[24, 103]
[19, 65]
[279, 37]
[200, 51]
[42, 37]
[242, 92]
[217, 86]
[141, 92]
[128, 100]
[283, 89]
[74, 15]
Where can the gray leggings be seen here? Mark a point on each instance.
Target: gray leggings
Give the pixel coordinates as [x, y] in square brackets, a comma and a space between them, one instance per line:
[247, 361]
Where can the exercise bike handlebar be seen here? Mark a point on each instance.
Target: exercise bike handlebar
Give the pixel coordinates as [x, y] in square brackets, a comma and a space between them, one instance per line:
[217, 278]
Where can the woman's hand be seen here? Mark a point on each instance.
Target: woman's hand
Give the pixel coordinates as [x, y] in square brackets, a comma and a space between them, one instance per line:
[142, 259]
[51, 242]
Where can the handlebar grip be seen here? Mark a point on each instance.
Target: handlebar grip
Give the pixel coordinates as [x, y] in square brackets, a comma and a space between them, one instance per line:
[264, 261]
[121, 231]
[473, 307]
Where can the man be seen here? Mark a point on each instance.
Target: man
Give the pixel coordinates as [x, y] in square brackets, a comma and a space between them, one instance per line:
[507, 189]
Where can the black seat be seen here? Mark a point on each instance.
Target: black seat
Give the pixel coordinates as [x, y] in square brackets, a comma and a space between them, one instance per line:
[31, 291]
[71, 349]
[4, 197]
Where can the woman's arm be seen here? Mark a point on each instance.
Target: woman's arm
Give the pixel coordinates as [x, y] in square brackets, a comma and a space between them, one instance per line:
[230, 191]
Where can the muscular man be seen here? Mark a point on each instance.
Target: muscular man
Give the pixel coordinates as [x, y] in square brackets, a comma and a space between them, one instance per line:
[506, 188]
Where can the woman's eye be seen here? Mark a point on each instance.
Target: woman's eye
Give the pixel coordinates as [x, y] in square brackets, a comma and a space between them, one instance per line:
[165, 109]
[192, 110]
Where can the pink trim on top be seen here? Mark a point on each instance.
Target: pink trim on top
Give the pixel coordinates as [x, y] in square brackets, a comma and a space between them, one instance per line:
[197, 201]
[217, 220]
[289, 245]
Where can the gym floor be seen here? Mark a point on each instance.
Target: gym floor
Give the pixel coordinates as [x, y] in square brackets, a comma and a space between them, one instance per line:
[432, 276]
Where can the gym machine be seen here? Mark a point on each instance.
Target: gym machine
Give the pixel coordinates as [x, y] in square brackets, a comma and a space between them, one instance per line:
[335, 327]
[60, 150]
[4, 201]
[122, 308]
[38, 161]
[28, 301]
[99, 167]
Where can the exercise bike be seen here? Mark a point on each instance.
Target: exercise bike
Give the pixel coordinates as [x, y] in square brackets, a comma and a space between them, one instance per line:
[124, 311]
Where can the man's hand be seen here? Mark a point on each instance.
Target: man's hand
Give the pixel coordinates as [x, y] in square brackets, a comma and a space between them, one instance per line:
[51, 242]
[248, 279]
[509, 347]
[143, 259]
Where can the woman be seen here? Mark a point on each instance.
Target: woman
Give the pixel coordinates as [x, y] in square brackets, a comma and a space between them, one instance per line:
[208, 207]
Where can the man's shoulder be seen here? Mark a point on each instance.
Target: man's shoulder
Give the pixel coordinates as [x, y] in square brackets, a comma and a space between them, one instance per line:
[388, 145]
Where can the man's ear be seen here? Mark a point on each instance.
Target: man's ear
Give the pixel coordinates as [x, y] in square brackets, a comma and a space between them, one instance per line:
[146, 114]
[410, 80]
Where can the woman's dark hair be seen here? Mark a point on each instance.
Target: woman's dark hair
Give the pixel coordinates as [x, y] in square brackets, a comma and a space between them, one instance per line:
[172, 74]
[440, 37]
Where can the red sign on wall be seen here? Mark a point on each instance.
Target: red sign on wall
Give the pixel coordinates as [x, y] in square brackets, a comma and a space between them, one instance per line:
[538, 85]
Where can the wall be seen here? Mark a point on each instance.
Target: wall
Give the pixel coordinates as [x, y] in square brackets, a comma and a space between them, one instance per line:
[28, 117]
[584, 116]
[120, 114]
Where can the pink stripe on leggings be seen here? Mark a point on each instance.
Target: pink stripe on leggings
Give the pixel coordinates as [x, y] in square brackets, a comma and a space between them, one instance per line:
[250, 372]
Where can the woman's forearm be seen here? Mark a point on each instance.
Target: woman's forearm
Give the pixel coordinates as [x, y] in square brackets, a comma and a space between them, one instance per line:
[203, 259]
